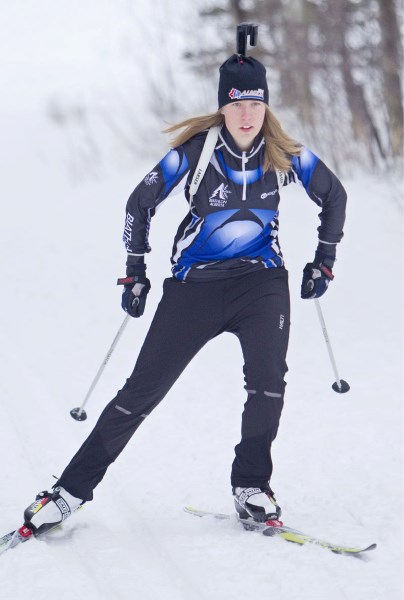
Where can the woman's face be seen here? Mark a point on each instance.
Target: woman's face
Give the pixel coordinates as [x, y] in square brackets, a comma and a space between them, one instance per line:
[244, 120]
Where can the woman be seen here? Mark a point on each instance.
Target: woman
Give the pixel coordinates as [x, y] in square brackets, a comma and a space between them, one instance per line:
[228, 275]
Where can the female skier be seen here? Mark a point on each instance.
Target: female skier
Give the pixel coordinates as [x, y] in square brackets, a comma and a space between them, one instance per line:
[228, 274]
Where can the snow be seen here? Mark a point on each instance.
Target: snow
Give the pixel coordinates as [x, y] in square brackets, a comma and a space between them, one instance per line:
[338, 458]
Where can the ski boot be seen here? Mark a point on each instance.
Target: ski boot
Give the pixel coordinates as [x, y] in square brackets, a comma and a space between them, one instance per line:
[49, 510]
[258, 504]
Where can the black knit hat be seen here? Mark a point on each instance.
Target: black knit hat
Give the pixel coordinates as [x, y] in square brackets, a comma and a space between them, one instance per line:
[242, 78]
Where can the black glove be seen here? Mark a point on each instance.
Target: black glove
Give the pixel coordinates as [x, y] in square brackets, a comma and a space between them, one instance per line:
[316, 276]
[137, 287]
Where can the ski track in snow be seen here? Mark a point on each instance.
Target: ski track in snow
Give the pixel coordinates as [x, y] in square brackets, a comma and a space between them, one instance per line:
[338, 468]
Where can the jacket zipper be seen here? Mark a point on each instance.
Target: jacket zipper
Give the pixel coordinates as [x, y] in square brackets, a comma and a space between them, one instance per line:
[244, 160]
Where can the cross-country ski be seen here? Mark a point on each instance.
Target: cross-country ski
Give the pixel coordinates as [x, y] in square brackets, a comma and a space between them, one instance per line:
[282, 531]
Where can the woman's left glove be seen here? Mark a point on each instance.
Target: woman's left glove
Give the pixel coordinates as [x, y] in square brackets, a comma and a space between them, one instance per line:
[137, 287]
[317, 276]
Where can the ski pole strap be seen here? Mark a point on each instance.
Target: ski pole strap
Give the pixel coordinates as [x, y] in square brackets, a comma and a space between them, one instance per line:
[204, 159]
[327, 272]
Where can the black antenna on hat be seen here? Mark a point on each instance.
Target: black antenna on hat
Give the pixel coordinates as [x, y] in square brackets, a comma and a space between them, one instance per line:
[245, 30]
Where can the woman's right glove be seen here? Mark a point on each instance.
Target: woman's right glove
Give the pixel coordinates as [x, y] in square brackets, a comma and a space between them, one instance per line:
[137, 287]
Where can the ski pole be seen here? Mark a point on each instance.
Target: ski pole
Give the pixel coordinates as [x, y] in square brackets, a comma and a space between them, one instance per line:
[339, 385]
[79, 414]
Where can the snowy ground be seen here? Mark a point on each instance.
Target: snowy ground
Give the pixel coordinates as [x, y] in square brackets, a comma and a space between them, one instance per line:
[338, 459]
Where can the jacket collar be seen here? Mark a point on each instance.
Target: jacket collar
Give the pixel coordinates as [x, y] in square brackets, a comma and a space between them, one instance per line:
[227, 140]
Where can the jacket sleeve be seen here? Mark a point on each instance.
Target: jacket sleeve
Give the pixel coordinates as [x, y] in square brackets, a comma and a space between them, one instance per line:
[326, 190]
[165, 179]
[169, 177]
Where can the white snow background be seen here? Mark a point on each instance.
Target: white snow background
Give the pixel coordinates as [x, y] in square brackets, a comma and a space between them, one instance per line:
[338, 458]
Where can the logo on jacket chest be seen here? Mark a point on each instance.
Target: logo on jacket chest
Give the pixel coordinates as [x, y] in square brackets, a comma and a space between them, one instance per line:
[220, 195]
[266, 194]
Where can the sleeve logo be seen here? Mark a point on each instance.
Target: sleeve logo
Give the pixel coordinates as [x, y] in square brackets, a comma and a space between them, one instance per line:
[151, 178]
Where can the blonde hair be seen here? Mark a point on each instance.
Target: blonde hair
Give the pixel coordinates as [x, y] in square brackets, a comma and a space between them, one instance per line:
[279, 147]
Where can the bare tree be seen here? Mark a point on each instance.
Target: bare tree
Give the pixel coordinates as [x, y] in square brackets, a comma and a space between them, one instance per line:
[334, 70]
[391, 64]
[334, 65]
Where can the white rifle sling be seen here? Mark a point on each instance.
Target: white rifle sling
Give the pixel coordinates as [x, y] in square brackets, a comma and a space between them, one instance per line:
[204, 159]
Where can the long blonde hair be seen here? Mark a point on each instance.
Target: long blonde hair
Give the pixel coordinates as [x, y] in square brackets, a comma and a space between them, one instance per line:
[279, 147]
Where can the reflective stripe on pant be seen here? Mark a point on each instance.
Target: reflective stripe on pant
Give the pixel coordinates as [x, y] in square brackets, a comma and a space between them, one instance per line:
[255, 307]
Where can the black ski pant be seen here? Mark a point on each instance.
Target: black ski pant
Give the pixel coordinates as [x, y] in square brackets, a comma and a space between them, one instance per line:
[253, 306]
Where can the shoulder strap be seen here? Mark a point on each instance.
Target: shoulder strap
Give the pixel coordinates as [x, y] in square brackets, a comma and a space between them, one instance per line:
[204, 159]
[280, 176]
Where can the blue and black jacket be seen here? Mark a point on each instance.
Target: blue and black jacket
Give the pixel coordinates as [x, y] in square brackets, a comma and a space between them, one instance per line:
[232, 223]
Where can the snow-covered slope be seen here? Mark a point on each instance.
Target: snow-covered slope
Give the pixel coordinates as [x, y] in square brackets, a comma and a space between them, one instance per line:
[338, 458]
